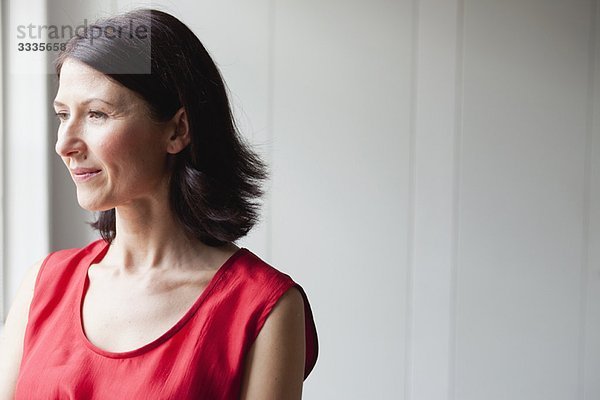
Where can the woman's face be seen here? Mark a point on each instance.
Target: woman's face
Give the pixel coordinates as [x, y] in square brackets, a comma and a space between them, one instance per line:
[106, 127]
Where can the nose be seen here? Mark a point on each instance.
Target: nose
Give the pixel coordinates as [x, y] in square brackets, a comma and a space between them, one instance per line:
[69, 142]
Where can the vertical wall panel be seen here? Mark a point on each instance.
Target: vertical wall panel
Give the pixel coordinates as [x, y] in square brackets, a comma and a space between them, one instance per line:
[432, 267]
[340, 163]
[522, 199]
[591, 281]
[26, 210]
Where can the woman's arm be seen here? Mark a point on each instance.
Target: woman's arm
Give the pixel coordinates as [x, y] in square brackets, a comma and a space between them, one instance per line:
[11, 340]
[275, 364]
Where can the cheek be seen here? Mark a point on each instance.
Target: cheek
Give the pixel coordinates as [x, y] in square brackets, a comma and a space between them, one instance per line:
[131, 152]
[117, 143]
[109, 150]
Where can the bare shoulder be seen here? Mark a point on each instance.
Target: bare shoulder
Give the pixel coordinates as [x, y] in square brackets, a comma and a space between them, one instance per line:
[11, 339]
[290, 307]
[275, 364]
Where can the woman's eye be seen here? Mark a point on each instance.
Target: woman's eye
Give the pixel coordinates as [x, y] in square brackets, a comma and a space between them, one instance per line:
[62, 116]
[93, 114]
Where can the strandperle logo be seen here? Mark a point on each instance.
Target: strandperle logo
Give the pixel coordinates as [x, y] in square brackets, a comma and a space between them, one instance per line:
[33, 42]
[92, 32]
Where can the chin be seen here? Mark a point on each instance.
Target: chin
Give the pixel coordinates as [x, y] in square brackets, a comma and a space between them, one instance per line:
[92, 208]
[92, 205]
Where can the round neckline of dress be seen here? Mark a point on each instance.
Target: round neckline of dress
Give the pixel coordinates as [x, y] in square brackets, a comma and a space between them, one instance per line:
[101, 250]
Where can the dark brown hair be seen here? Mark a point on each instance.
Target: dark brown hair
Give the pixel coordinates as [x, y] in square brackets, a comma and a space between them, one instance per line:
[216, 179]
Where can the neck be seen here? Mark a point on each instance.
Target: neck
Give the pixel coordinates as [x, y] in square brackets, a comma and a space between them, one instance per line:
[148, 237]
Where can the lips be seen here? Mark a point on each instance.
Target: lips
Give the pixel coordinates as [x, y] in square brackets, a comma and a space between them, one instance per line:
[84, 174]
[83, 171]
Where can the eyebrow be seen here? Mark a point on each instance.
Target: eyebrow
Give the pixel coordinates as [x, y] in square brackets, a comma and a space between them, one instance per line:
[86, 102]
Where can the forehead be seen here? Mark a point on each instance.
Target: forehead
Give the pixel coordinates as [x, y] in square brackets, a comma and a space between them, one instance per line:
[78, 81]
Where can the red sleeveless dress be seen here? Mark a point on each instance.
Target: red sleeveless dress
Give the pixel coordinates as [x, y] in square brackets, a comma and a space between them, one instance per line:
[200, 357]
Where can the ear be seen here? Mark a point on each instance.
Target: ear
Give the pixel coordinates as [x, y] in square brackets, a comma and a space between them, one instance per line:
[180, 136]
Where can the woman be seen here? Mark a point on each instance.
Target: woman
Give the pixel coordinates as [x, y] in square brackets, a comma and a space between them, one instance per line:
[165, 305]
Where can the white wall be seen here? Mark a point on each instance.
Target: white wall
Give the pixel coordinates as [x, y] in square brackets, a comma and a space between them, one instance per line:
[524, 208]
[26, 208]
[589, 345]
[341, 124]
[436, 186]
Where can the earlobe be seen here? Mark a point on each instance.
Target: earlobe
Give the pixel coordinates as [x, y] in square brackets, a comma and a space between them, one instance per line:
[181, 135]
